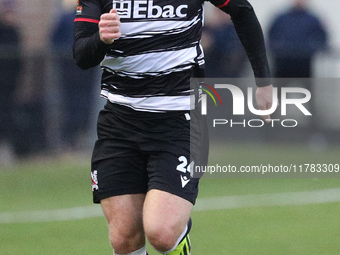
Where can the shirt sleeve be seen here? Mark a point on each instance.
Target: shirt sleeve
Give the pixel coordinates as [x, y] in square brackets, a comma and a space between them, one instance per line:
[250, 33]
[88, 49]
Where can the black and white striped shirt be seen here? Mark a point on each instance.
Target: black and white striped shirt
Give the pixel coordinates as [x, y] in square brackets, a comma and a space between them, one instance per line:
[149, 67]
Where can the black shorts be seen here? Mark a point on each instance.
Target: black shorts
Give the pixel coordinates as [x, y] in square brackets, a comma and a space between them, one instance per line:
[139, 151]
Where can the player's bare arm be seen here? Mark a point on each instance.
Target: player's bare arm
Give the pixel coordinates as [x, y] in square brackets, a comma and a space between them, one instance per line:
[109, 27]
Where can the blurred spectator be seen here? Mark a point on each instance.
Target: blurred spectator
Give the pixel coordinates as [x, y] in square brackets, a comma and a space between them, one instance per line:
[75, 85]
[294, 38]
[10, 67]
[224, 53]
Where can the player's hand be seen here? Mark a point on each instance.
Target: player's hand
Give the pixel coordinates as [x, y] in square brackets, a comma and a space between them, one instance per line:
[109, 27]
[264, 99]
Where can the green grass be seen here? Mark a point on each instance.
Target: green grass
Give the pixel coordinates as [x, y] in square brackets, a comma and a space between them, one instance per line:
[312, 229]
[64, 182]
[56, 183]
[87, 236]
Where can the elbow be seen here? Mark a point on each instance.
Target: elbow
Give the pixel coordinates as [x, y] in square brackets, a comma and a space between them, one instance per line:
[80, 57]
[84, 65]
[81, 62]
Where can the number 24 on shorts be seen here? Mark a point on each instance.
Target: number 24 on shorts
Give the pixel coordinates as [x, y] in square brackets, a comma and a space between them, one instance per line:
[184, 167]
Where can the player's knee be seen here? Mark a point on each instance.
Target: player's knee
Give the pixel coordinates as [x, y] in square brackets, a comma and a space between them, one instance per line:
[161, 238]
[162, 242]
[120, 243]
[123, 243]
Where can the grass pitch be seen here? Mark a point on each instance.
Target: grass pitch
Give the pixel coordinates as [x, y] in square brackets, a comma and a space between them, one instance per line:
[65, 183]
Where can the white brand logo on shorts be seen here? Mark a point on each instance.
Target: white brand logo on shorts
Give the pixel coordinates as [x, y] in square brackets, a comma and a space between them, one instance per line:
[94, 180]
[184, 180]
[142, 9]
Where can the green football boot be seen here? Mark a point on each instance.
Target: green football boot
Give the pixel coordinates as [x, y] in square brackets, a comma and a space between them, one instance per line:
[183, 248]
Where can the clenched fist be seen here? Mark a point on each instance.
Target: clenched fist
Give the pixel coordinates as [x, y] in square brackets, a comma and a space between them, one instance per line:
[109, 27]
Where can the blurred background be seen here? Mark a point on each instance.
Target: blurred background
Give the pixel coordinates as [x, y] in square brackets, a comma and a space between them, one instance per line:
[48, 104]
[44, 112]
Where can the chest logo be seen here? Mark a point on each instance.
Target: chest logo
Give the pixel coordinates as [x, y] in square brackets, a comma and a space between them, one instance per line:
[145, 9]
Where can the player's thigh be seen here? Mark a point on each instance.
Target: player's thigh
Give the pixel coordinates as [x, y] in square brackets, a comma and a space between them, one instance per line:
[124, 215]
[165, 214]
